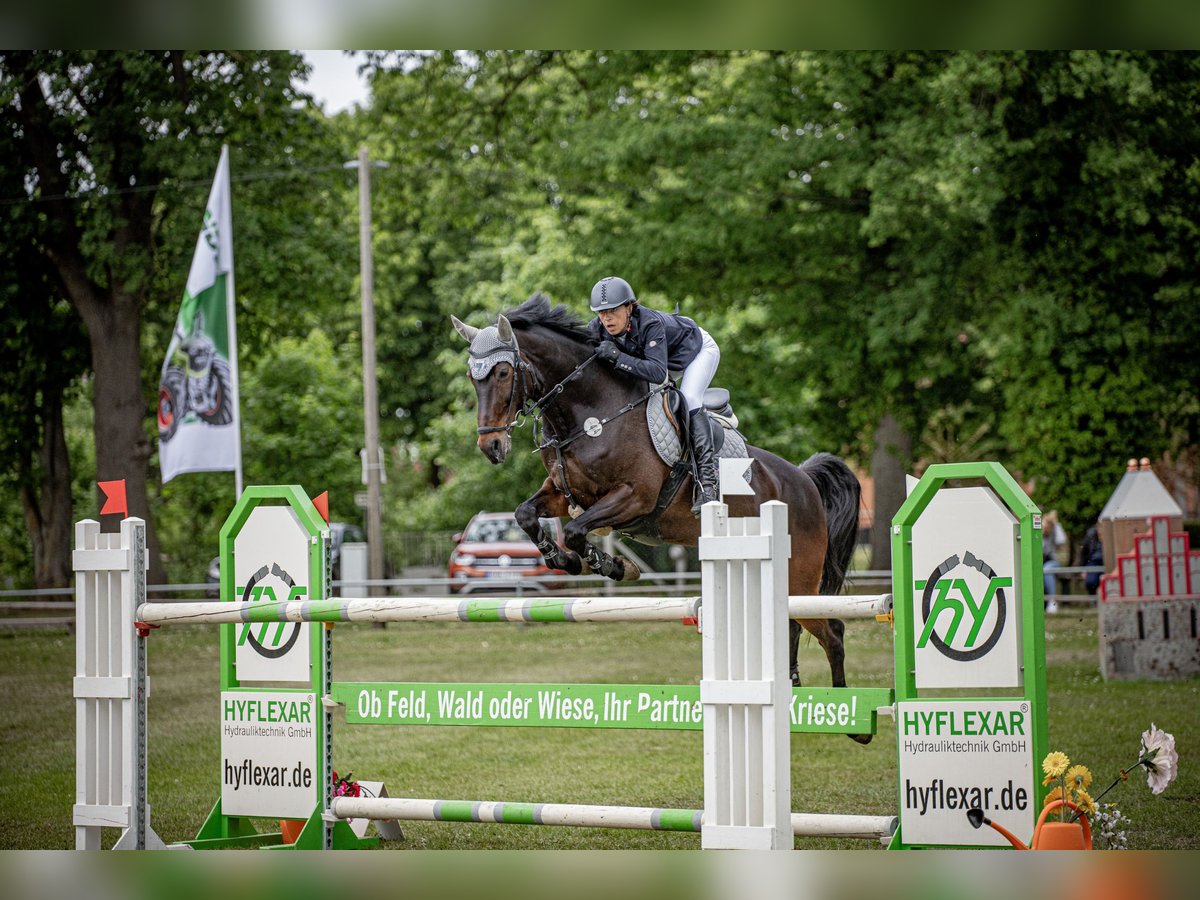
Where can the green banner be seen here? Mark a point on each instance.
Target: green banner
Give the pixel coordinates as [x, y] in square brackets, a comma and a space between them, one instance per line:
[674, 707]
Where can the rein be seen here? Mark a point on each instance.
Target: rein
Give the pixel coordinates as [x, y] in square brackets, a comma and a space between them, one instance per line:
[580, 432]
[559, 445]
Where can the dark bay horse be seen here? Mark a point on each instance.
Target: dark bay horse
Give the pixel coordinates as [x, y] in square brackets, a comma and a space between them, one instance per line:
[535, 364]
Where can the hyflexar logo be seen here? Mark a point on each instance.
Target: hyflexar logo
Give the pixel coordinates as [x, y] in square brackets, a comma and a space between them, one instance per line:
[968, 589]
[270, 641]
[274, 564]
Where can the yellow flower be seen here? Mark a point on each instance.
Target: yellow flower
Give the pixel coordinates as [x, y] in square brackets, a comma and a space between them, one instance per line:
[1055, 763]
[1056, 794]
[1079, 778]
[1085, 803]
[1048, 780]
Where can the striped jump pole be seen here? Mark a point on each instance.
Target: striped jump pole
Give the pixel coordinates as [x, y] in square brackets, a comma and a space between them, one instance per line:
[583, 816]
[427, 609]
[510, 609]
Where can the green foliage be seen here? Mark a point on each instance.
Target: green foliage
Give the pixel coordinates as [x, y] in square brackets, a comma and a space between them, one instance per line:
[1096, 347]
[302, 411]
[996, 250]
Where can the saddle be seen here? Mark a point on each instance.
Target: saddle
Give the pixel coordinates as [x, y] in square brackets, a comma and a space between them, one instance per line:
[667, 418]
[668, 421]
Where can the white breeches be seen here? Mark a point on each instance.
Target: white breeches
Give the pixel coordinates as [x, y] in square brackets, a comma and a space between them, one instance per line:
[699, 373]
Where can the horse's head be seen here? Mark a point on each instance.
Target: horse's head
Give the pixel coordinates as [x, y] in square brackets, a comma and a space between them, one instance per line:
[495, 369]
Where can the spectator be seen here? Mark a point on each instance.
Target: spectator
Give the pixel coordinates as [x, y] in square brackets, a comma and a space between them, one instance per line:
[1053, 540]
[1091, 553]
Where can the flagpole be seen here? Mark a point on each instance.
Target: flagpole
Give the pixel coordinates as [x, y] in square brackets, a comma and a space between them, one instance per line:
[231, 317]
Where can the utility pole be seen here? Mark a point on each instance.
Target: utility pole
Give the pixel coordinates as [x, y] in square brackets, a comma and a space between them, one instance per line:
[373, 462]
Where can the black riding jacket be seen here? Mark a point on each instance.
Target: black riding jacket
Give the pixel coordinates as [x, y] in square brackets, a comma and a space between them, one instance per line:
[653, 344]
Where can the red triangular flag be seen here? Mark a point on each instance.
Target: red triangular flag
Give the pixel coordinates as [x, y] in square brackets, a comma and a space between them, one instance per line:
[321, 502]
[114, 497]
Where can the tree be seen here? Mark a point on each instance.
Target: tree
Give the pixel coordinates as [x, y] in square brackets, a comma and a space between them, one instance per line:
[908, 257]
[32, 387]
[763, 193]
[1094, 219]
[99, 134]
[35, 318]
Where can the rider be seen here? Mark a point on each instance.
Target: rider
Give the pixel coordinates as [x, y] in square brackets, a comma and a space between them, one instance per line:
[647, 344]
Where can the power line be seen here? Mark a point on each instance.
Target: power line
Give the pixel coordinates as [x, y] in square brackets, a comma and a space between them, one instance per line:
[172, 185]
[544, 185]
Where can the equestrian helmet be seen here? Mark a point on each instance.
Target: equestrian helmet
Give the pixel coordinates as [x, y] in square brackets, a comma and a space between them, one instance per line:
[609, 293]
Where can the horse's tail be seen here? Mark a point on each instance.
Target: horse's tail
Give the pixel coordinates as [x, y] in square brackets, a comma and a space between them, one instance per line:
[840, 492]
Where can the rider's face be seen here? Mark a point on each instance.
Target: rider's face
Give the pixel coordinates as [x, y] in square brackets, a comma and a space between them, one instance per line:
[615, 321]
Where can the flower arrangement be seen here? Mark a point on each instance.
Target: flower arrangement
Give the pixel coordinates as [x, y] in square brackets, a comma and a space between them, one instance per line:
[1070, 783]
[346, 787]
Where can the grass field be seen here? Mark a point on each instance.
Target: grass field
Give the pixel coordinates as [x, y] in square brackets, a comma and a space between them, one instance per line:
[1096, 723]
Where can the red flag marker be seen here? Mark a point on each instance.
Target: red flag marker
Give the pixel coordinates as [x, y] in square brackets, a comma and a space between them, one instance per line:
[321, 502]
[114, 497]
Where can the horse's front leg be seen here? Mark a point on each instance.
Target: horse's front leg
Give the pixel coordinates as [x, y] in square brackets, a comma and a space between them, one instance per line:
[548, 502]
[616, 507]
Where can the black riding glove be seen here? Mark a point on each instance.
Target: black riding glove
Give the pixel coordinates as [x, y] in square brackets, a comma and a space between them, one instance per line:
[608, 351]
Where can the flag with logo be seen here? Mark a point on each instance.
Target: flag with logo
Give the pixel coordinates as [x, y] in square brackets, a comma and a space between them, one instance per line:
[198, 422]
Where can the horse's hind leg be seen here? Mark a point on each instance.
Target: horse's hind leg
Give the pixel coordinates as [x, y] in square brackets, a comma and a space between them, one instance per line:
[804, 579]
[804, 572]
[794, 632]
[830, 635]
[831, 642]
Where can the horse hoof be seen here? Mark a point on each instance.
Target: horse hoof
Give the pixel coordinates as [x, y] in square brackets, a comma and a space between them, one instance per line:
[573, 565]
[861, 738]
[632, 572]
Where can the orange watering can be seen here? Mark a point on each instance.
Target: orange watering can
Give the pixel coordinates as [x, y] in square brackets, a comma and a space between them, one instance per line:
[1046, 835]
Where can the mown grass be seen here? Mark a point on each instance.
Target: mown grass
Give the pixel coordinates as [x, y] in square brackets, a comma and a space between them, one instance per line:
[1095, 722]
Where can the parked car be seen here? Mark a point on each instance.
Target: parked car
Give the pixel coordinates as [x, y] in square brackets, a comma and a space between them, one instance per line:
[493, 549]
[339, 533]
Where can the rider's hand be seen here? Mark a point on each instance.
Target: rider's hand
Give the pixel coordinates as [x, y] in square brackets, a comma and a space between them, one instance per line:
[608, 351]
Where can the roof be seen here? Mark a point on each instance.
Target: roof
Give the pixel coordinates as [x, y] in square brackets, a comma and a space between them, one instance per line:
[1138, 495]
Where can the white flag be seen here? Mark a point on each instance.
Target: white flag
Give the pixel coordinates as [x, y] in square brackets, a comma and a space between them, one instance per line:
[198, 429]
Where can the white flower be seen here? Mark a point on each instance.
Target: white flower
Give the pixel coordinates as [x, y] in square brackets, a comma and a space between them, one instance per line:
[1161, 761]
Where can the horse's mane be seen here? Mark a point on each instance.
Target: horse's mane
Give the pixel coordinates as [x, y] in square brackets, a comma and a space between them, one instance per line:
[560, 319]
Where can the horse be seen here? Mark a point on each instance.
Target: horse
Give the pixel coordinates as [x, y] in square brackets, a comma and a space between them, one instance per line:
[603, 472]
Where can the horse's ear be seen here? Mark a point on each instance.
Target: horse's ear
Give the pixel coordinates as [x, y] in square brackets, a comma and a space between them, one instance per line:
[467, 331]
[504, 330]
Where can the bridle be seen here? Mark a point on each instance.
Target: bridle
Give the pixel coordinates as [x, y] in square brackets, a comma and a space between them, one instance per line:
[528, 410]
[521, 372]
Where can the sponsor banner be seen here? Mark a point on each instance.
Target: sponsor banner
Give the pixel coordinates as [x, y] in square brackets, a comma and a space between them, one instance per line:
[966, 592]
[269, 754]
[668, 707]
[956, 755]
[198, 392]
[271, 564]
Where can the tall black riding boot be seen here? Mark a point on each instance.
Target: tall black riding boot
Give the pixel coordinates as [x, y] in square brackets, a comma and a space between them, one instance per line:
[705, 462]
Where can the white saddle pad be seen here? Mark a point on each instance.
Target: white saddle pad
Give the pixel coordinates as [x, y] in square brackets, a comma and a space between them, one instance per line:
[666, 438]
